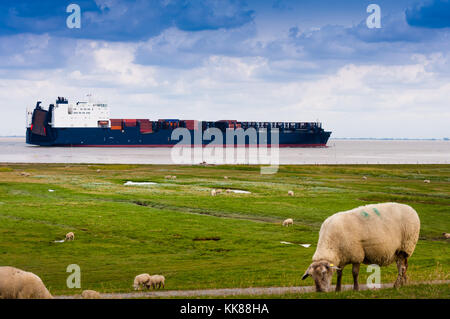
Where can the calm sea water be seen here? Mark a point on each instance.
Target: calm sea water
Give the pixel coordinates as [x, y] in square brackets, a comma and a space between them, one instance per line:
[15, 150]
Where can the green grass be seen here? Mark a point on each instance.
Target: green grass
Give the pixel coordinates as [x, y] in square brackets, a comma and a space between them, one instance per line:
[121, 231]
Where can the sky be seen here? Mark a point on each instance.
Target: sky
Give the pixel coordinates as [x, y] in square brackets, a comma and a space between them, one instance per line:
[253, 60]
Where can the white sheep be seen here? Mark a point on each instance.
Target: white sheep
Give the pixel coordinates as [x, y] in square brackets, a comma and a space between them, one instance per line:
[364, 178]
[372, 234]
[90, 294]
[174, 177]
[19, 284]
[156, 281]
[218, 191]
[141, 280]
[70, 236]
[225, 177]
[290, 193]
[446, 235]
[288, 222]
[213, 192]
[228, 191]
[427, 181]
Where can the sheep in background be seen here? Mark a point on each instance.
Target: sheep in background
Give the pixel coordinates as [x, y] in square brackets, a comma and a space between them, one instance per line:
[288, 222]
[141, 280]
[19, 284]
[446, 235]
[218, 191]
[372, 234]
[90, 294]
[228, 191]
[290, 193]
[427, 181]
[213, 192]
[173, 177]
[168, 176]
[70, 236]
[364, 178]
[225, 177]
[156, 281]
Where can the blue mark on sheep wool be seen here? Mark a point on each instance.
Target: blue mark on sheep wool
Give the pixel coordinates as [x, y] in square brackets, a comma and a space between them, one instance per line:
[376, 211]
[364, 214]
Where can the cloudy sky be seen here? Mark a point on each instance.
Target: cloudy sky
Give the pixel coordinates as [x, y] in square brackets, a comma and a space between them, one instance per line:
[256, 60]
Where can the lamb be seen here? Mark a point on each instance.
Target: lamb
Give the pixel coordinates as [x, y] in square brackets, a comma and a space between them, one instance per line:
[70, 236]
[427, 181]
[213, 192]
[288, 222]
[225, 177]
[18, 284]
[90, 294]
[141, 280]
[364, 178]
[372, 234]
[290, 193]
[446, 235]
[156, 281]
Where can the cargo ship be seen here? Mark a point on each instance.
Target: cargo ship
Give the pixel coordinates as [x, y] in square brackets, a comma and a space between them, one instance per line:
[89, 124]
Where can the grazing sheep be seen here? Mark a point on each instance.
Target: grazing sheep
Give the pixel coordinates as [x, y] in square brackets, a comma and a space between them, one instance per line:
[427, 181]
[446, 235]
[228, 191]
[364, 178]
[168, 176]
[25, 174]
[174, 177]
[141, 280]
[291, 193]
[372, 234]
[90, 294]
[19, 284]
[288, 222]
[70, 236]
[218, 191]
[225, 177]
[156, 281]
[213, 192]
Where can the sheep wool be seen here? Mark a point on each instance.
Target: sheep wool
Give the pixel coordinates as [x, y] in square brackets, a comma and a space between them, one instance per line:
[371, 234]
[156, 281]
[141, 281]
[288, 222]
[19, 284]
[90, 294]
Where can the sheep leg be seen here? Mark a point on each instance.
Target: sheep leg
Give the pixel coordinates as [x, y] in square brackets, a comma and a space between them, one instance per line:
[355, 272]
[339, 280]
[402, 265]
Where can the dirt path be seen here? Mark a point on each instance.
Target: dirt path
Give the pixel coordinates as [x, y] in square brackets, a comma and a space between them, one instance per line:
[234, 291]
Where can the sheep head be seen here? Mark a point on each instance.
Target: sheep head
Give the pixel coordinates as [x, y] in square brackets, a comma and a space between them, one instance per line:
[322, 273]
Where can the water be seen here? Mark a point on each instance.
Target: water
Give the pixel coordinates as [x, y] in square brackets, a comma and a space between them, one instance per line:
[15, 150]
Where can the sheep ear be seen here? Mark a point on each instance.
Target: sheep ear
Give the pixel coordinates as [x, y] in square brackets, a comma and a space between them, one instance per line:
[306, 274]
[335, 267]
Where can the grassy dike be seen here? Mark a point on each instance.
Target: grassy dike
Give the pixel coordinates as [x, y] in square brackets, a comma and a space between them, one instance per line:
[176, 228]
